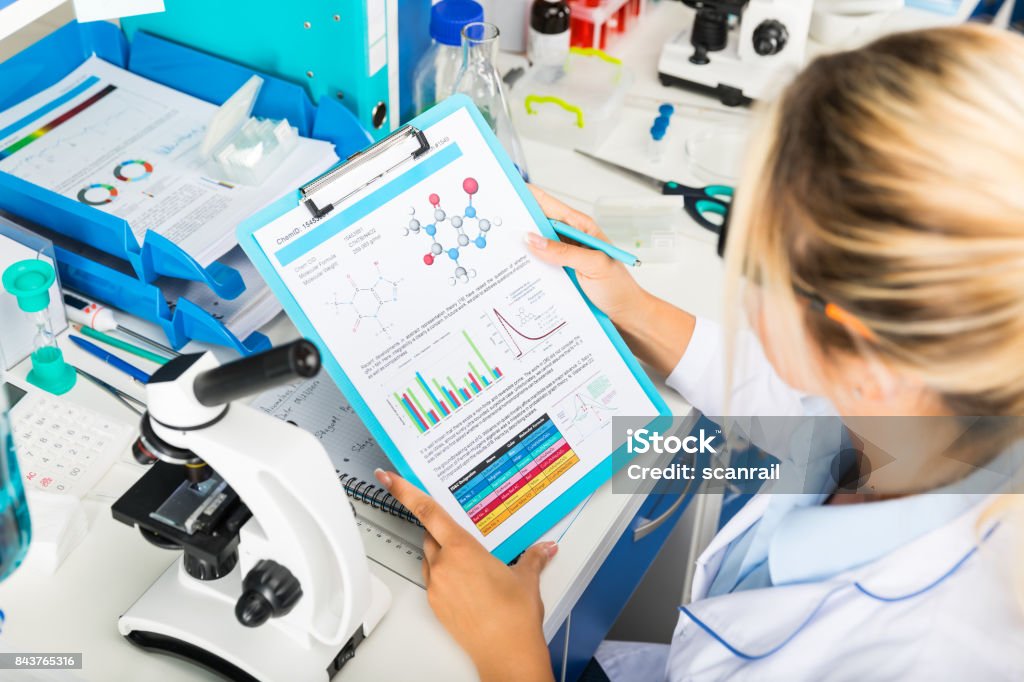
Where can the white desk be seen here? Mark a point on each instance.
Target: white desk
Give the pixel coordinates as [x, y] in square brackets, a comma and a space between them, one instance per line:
[77, 609]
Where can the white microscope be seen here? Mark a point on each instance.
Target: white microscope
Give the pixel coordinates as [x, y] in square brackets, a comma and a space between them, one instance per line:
[738, 50]
[273, 584]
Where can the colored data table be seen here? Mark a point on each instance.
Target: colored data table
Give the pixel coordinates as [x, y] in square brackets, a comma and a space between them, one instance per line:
[517, 472]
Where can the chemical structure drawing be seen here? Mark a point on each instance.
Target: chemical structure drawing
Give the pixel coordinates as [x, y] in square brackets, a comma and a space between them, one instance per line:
[368, 300]
[459, 223]
[525, 316]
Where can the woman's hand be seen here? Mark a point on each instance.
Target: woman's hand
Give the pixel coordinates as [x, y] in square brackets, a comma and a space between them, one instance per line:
[657, 332]
[493, 611]
[605, 280]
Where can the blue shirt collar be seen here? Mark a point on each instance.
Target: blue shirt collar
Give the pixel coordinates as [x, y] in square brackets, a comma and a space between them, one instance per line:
[818, 541]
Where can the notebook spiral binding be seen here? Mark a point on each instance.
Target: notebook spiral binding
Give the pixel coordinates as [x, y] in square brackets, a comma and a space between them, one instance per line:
[375, 496]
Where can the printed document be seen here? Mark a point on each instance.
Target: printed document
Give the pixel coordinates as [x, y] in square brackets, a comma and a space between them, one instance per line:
[485, 367]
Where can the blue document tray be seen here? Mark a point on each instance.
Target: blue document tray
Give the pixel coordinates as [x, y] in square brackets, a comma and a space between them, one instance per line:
[195, 73]
[186, 322]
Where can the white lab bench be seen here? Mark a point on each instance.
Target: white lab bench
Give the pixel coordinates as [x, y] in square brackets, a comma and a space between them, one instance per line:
[76, 610]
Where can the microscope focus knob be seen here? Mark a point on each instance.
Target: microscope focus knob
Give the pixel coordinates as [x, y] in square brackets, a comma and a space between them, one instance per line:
[269, 589]
[770, 37]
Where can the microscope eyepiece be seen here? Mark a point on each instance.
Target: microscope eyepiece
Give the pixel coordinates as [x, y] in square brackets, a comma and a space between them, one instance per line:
[297, 360]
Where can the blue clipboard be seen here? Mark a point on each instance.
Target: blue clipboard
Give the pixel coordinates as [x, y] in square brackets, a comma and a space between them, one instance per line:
[567, 501]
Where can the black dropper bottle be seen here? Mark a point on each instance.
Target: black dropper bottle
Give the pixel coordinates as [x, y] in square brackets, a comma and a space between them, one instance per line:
[548, 43]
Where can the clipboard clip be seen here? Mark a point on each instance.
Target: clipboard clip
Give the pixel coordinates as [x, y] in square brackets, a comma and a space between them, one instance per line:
[363, 169]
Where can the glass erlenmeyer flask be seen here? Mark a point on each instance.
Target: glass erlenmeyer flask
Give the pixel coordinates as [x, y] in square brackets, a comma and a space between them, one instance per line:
[479, 80]
[15, 529]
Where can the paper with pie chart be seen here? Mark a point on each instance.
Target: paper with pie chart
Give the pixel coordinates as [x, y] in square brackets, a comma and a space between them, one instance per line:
[485, 367]
[128, 146]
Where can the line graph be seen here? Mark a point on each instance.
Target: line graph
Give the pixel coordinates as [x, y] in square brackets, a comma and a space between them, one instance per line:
[587, 409]
[516, 337]
[526, 319]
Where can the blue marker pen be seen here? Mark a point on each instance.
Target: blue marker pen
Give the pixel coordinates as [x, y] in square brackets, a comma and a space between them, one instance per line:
[109, 358]
[592, 242]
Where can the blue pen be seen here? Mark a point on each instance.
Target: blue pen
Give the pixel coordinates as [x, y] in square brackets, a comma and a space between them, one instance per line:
[109, 358]
[592, 242]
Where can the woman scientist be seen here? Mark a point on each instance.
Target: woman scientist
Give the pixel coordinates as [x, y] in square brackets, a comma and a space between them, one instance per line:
[879, 234]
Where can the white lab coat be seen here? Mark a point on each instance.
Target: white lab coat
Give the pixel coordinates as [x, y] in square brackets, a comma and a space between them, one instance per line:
[941, 607]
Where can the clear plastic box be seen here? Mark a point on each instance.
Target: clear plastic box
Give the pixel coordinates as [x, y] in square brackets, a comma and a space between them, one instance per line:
[574, 105]
[243, 148]
[655, 229]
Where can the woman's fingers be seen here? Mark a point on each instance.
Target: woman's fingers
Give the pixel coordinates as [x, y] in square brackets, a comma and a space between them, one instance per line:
[583, 260]
[430, 547]
[435, 519]
[534, 559]
[557, 210]
[430, 554]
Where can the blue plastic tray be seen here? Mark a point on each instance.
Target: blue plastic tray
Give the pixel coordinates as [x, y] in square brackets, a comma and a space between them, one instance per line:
[200, 75]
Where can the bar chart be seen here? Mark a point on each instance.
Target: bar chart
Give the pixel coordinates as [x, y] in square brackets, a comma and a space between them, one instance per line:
[428, 398]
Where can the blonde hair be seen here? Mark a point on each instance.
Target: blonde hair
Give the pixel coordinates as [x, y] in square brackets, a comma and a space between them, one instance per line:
[890, 182]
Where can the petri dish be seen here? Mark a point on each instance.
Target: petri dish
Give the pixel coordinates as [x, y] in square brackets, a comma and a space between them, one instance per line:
[716, 154]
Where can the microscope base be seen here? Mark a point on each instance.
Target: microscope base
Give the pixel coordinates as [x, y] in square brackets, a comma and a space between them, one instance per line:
[195, 620]
[726, 77]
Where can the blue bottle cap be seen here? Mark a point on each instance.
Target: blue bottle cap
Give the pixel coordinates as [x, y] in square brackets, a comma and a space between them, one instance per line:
[657, 132]
[663, 121]
[666, 110]
[448, 17]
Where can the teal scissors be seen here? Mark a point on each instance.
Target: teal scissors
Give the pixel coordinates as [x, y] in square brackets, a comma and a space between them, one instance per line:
[699, 202]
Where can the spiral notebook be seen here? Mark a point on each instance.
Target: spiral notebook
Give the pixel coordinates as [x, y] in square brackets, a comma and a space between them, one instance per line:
[317, 406]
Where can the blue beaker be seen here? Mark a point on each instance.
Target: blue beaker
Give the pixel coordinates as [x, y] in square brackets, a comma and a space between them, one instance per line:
[15, 528]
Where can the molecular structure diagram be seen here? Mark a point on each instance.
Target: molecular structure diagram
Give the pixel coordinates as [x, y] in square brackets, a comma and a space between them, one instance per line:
[459, 223]
[525, 316]
[367, 301]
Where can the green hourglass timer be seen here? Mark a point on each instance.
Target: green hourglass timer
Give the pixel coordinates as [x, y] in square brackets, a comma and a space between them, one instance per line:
[29, 281]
